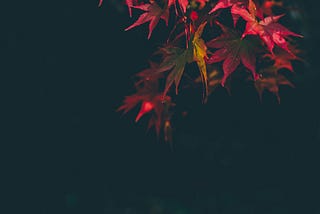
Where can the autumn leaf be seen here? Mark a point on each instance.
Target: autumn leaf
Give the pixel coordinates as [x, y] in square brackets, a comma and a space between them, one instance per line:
[174, 61]
[233, 50]
[200, 57]
[270, 32]
[262, 38]
[153, 14]
[271, 80]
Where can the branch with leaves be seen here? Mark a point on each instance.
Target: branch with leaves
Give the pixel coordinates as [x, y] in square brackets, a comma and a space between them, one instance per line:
[253, 36]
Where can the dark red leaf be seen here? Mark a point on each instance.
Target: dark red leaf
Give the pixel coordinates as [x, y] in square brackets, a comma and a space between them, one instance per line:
[233, 50]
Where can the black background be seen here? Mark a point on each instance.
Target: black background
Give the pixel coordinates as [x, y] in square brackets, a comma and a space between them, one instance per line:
[65, 69]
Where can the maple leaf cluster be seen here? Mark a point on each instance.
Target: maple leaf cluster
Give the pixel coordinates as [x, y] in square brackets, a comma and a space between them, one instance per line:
[253, 35]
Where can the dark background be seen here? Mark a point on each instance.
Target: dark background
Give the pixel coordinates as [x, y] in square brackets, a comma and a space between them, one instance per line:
[65, 69]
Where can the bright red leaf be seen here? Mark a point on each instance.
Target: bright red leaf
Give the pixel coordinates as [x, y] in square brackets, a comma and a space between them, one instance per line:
[271, 32]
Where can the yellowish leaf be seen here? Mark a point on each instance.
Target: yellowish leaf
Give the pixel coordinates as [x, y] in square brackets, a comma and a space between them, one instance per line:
[199, 56]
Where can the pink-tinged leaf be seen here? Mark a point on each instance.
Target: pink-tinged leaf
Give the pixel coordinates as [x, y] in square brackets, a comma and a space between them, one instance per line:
[153, 13]
[270, 32]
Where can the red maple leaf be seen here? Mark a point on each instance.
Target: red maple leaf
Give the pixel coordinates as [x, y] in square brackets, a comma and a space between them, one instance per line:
[271, 32]
[232, 49]
[153, 13]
